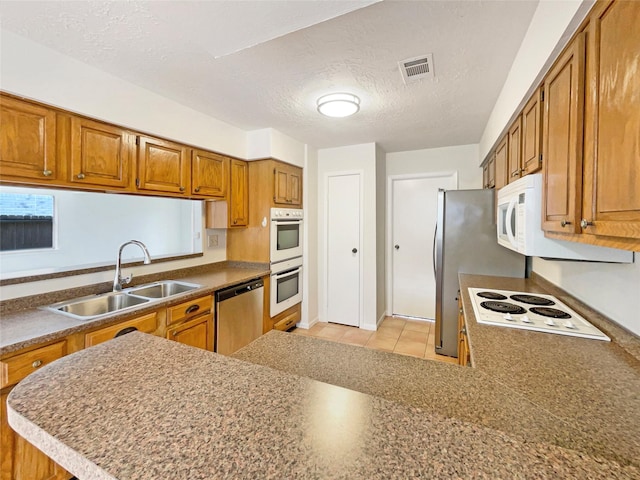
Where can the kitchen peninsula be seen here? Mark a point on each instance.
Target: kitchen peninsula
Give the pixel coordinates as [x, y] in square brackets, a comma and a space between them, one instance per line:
[104, 413]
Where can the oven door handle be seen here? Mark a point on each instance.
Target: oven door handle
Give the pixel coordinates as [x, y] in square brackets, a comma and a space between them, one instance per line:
[291, 271]
[287, 222]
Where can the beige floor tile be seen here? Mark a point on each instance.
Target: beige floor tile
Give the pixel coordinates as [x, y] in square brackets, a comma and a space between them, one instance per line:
[418, 326]
[391, 332]
[414, 336]
[408, 347]
[330, 333]
[301, 331]
[356, 336]
[316, 328]
[381, 343]
[393, 322]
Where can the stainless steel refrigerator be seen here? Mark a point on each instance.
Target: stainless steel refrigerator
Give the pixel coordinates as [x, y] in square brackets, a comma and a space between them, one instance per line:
[465, 242]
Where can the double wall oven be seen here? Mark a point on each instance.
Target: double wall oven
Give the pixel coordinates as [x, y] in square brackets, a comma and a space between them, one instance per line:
[286, 258]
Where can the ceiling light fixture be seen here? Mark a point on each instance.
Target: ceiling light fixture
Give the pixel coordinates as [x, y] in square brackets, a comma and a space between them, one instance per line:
[338, 104]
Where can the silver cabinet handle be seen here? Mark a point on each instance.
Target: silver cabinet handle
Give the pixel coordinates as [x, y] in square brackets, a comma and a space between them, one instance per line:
[36, 363]
[47, 173]
[80, 176]
[564, 223]
[584, 223]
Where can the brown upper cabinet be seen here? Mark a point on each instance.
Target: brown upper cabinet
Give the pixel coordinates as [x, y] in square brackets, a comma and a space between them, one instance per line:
[239, 194]
[489, 172]
[611, 170]
[101, 154]
[562, 140]
[501, 163]
[27, 142]
[163, 166]
[532, 134]
[209, 174]
[287, 185]
[515, 150]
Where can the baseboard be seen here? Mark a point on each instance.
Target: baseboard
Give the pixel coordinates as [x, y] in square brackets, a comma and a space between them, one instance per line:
[307, 325]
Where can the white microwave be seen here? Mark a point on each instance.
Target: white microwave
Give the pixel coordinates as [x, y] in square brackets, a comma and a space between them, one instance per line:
[286, 234]
[519, 219]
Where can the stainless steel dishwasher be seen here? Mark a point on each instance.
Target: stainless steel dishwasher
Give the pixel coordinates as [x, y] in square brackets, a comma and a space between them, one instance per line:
[238, 315]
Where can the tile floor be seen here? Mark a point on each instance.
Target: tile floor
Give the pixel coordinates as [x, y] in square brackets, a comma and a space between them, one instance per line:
[395, 334]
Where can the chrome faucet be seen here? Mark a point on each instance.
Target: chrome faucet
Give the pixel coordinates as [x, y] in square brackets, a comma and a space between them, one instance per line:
[118, 281]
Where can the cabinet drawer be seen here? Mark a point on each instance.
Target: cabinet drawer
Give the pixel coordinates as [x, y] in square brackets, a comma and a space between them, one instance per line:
[16, 368]
[192, 308]
[147, 324]
[287, 321]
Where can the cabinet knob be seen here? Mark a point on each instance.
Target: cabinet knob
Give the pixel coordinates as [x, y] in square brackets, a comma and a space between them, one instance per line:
[80, 176]
[584, 223]
[182, 189]
[516, 173]
[36, 363]
[47, 173]
[564, 223]
[197, 189]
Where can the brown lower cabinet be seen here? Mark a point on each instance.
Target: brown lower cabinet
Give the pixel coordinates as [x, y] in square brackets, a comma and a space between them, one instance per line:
[463, 340]
[20, 459]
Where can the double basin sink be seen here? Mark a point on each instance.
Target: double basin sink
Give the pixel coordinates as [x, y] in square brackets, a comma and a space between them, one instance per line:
[93, 306]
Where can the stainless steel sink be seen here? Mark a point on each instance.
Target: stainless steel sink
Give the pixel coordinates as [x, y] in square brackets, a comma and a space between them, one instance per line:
[96, 305]
[90, 307]
[163, 289]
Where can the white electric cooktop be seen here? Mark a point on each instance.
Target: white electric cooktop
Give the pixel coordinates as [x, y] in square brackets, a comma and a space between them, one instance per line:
[530, 311]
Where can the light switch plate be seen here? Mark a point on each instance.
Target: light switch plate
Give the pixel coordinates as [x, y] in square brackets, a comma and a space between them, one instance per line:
[212, 240]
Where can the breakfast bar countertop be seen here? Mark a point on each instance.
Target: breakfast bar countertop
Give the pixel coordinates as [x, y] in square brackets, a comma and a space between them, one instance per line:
[142, 407]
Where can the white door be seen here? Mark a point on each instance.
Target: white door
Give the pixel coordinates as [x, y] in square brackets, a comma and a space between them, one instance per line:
[414, 214]
[343, 249]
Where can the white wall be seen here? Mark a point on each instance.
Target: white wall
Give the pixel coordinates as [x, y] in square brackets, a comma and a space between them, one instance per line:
[268, 142]
[381, 201]
[552, 25]
[310, 274]
[462, 158]
[611, 289]
[355, 157]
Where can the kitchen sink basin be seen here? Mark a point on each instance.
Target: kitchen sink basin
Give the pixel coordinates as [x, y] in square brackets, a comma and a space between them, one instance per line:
[87, 308]
[163, 289]
[93, 306]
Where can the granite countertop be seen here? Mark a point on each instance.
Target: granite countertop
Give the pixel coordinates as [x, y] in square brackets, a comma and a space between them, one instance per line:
[142, 407]
[29, 325]
[576, 393]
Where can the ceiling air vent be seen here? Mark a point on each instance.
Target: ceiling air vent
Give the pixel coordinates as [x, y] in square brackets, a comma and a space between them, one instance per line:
[416, 68]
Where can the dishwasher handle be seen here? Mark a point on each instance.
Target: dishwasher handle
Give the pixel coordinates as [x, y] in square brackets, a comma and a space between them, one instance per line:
[234, 291]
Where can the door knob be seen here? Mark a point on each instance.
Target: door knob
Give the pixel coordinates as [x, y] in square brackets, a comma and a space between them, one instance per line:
[397, 247]
[355, 250]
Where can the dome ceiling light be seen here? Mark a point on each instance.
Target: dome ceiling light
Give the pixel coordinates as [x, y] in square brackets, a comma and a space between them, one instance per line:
[338, 104]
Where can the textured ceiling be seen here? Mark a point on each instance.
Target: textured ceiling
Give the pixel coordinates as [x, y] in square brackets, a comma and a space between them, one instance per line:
[260, 64]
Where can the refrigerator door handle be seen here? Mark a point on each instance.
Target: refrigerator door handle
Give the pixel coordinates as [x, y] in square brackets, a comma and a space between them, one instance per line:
[435, 236]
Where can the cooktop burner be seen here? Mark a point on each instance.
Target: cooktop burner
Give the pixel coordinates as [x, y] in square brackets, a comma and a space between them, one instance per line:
[527, 311]
[550, 312]
[503, 307]
[492, 295]
[532, 299]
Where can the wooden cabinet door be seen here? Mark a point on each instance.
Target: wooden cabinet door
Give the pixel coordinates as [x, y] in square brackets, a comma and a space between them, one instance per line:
[163, 166]
[27, 140]
[515, 150]
[238, 196]
[145, 323]
[195, 333]
[532, 134]
[295, 187]
[280, 186]
[611, 194]
[501, 163]
[562, 140]
[100, 154]
[209, 174]
[485, 175]
[491, 171]
[287, 185]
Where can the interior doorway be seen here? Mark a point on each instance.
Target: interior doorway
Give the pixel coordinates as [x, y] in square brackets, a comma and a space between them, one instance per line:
[412, 214]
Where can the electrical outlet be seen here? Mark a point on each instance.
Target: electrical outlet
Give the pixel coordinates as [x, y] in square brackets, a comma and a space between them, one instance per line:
[212, 240]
